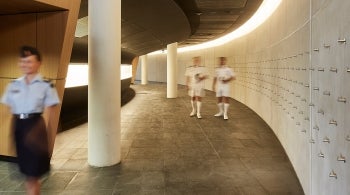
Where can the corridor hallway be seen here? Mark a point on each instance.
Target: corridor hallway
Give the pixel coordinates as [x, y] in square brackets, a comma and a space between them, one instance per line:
[164, 151]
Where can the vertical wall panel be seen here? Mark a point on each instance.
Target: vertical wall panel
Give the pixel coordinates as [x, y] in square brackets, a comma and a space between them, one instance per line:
[15, 31]
[53, 34]
[329, 34]
[50, 30]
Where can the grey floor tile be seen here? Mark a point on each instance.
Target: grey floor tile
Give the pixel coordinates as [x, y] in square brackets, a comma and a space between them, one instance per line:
[272, 180]
[57, 181]
[257, 190]
[86, 192]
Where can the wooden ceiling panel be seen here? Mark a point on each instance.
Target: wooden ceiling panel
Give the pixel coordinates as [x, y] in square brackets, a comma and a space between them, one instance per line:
[130, 29]
[211, 30]
[163, 18]
[19, 6]
[221, 4]
[219, 18]
[215, 25]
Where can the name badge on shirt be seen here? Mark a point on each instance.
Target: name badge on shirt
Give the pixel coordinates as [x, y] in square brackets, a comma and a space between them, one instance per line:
[15, 91]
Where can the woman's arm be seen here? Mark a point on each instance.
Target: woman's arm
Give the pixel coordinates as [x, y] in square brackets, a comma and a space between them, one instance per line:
[49, 112]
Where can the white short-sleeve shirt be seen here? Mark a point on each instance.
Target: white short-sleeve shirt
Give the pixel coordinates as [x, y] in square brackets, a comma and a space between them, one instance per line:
[223, 73]
[194, 72]
[30, 98]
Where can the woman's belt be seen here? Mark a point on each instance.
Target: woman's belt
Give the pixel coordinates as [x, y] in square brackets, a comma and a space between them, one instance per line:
[26, 115]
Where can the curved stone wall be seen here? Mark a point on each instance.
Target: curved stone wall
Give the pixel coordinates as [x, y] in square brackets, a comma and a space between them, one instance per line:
[330, 108]
[293, 71]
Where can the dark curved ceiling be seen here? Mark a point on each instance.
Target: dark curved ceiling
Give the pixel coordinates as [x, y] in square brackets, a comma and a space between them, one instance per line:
[150, 25]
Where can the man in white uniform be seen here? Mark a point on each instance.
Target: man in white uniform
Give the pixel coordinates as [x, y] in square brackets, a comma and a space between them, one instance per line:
[221, 84]
[195, 76]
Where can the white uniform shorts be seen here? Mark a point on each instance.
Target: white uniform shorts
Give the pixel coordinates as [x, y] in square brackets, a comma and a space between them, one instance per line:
[196, 91]
[223, 90]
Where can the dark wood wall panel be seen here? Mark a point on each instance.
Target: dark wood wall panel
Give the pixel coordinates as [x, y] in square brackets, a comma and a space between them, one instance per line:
[50, 30]
[53, 33]
[16, 30]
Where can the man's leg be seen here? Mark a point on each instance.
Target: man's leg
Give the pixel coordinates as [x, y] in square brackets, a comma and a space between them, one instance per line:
[199, 105]
[193, 99]
[220, 106]
[226, 105]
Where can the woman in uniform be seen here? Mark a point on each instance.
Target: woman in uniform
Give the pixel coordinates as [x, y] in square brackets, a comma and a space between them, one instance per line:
[28, 97]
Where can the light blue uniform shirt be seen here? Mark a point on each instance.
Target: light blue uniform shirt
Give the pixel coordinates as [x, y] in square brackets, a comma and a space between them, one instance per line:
[29, 98]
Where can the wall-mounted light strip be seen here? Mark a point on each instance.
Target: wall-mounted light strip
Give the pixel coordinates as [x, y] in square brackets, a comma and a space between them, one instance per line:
[77, 74]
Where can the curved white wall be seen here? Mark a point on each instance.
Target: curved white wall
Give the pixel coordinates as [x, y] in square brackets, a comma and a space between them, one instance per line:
[294, 73]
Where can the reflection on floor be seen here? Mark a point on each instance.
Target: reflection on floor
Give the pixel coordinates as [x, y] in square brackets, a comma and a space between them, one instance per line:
[164, 151]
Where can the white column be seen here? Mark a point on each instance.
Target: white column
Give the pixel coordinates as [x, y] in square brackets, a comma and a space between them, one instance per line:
[172, 70]
[144, 70]
[104, 83]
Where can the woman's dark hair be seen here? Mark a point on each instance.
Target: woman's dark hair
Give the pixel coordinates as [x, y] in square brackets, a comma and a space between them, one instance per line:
[26, 51]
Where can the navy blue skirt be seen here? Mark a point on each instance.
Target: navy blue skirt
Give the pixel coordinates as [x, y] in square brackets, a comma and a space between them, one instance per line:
[32, 146]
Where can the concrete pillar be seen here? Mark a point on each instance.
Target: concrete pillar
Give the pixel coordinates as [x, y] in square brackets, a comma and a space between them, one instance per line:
[104, 83]
[144, 70]
[172, 70]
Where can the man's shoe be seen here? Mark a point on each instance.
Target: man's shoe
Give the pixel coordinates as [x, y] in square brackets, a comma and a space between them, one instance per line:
[218, 114]
[199, 116]
[225, 117]
[193, 113]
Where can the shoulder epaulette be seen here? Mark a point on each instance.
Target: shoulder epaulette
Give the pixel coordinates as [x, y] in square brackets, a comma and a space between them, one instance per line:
[14, 80]
[49, 82]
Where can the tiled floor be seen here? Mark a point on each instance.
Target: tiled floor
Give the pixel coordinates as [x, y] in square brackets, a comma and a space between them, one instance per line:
[164, 151]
